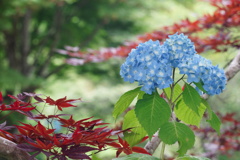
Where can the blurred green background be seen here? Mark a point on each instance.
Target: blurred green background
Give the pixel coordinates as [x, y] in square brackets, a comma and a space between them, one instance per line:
[32, 30]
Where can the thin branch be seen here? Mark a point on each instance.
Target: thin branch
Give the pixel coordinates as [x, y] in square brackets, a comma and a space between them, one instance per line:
[57, 69]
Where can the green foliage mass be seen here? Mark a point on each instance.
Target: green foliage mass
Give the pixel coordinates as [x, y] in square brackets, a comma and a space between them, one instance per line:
[32, 30]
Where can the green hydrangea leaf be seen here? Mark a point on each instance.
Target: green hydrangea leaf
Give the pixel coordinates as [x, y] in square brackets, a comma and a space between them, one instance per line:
[140, 95]
[191, 98]
[152, 111]
[200, 86]
[209, 109]
[137, 156]
[137, 132]
[124, 101]
[215, 122]
[172, 132]
[95, 157]
[188, 157]
[177, 91]
[187, 115]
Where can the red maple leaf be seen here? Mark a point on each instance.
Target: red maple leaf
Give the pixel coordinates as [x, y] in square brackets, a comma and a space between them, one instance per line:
[139, 150]
[41, 131]
[61, 103]
[7, 135]
[67, 123]
[35, 131]
[60, 140]
[16, 106]
[41, 145]
[125, 147]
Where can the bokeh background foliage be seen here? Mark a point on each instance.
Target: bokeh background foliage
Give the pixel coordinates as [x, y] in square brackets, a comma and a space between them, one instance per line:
[32, 30]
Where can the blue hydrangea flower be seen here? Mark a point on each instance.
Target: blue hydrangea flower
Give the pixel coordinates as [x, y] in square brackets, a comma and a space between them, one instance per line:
[179, 48]
[149, 65]
[215, 81]
[195, 67]
[198, 69]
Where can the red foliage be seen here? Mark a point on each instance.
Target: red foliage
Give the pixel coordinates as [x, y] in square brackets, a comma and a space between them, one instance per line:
[61, 103]
[227, 142]
[226, 16]
[17, 105]
[81, 136]
[124, 147]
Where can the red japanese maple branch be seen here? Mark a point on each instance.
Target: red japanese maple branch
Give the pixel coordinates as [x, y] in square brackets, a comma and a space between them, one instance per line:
[225, 17]
[230, 72]
[10, 151]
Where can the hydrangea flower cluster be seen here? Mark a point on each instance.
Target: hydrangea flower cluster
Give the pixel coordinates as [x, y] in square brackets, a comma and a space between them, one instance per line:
[151, 65]
[199, 69]
[179, 48]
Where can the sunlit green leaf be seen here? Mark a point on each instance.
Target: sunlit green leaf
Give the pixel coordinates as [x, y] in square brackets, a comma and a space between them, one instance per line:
[191, 98]
[152, 111]
[209, 109]
[172, 132]
[124, 101]
[137, 132]
[188, 157]
[137, 156]
[215, 122]
[140, 95]
[187, 115]
[95, 157]
[200, 86]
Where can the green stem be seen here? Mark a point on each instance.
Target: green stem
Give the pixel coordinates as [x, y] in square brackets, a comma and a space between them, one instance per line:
[177, 98]
[180, 79]
[172, 86]
[162, 151]
[170, 104]
[168, 100]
